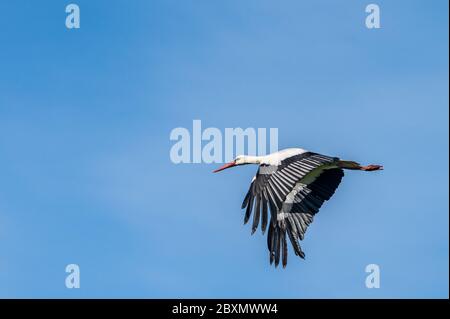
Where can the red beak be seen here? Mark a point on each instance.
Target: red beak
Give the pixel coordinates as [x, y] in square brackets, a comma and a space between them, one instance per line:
[227, 165]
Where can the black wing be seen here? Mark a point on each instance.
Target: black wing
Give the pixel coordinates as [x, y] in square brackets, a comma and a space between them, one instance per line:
[269, 191]
[295, 217]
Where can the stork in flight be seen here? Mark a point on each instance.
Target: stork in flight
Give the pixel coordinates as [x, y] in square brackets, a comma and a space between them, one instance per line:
[292, 184]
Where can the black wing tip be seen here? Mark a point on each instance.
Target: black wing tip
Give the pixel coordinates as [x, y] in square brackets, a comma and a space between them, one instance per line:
[277, 263]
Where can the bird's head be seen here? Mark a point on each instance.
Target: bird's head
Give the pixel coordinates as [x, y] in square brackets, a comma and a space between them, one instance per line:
[239, 160]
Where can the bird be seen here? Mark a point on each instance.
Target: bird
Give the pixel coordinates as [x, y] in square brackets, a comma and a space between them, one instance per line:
[290, 186]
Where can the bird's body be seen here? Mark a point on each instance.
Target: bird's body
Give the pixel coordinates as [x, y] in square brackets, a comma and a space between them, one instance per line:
[291, 185]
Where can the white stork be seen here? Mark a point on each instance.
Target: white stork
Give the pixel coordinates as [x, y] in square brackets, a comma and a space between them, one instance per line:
[292, 184]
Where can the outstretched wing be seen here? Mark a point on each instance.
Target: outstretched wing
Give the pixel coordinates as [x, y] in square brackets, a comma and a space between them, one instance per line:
[298, 212]
[289, 188]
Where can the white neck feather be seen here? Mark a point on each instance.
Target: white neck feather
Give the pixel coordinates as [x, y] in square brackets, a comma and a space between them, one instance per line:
[248, 159]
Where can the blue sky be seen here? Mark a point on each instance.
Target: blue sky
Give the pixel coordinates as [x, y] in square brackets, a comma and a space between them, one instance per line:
[85, 118]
